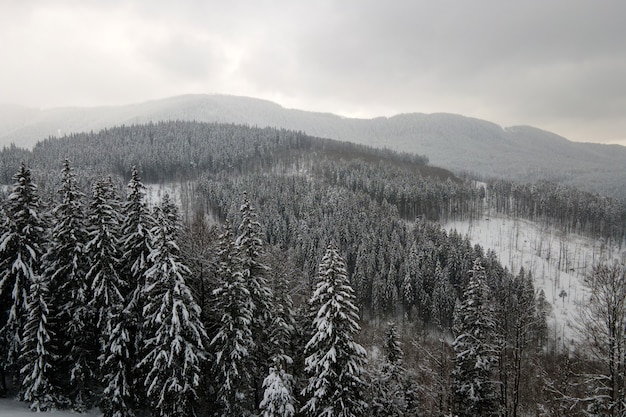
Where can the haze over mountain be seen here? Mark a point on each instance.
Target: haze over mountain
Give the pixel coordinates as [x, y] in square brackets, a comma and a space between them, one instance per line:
[458, 143]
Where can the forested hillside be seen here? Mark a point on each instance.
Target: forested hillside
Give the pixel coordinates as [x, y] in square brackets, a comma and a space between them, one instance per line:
[303, 276]
[460, 144]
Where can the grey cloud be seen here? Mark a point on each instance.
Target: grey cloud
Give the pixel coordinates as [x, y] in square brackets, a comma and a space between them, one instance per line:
[527, 62]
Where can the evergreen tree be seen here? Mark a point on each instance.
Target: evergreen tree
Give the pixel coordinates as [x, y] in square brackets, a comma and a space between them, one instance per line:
[36, 354]
[108, 301]
[137, 221]
[71, 317]
[282, 327]
[391, 347]
[254, 273]
[174, 337]
[391, 389]
[232, 344]
[444, 298]
[103, 253]
[476, 350]
[277, 399]
[21, 250]
[334, 360]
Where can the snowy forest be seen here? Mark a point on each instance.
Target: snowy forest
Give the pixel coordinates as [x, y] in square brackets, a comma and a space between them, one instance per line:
[289, 276]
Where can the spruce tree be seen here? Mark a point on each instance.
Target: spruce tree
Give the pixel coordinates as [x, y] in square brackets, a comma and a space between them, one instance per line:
[103, 253]
[476, 350]
[278, 400]
[71, 318]
[249, 245]
[174, 337]
[108, 301]
[137, 221]
[389, 385]
[282, 326]
[21, 250]
[36, 354]
[334, 360]
[232, 345]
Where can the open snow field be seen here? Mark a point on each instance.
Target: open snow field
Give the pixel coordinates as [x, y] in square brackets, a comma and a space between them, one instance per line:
[557, 261]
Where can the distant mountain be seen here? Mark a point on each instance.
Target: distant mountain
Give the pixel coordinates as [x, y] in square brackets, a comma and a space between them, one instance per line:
[461, 144]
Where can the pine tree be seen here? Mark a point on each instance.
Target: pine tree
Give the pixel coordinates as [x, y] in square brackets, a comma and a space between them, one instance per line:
[389, 385]
[476, 350]
[103, 253]
[232, 344]
[137, 221]
[254, 273]
[282, 327]
[391, 347]
[277, 399]
[444, 298]
[108, 301]
[21, 250]
[174, 337]
[36, 354]
[136, 224]
[71, 317]
[334, 360]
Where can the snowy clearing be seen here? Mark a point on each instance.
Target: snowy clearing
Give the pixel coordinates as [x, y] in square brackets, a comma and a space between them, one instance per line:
[557, 261]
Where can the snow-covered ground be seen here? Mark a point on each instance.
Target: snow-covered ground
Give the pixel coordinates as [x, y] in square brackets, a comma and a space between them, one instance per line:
[10, 407]
[557, 261]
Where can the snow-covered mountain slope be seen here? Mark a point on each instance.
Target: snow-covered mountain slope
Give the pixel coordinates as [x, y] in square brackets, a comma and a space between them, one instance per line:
[455, 142]
[557, 261]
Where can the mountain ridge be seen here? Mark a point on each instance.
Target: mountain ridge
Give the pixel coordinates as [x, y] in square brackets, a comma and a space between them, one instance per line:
[460, 143]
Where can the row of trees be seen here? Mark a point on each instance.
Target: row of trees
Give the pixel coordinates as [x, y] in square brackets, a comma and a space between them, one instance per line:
[565, 207]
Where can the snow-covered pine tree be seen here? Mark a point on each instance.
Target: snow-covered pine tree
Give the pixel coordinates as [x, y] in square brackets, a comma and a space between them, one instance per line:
[21, 250]
[334, 362]
[389, 385]
[444, 299]
[249, 245]
[232, 345]
[282, 327]
[391, 347]
[174, 337]
[116, 368]
[36, 354]
[103, 253]
[70, 316]
[108, 302]
[476, 350]
[278, 400]
[137, 221]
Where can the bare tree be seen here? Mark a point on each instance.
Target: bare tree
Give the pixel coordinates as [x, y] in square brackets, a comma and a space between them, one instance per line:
[603, 331]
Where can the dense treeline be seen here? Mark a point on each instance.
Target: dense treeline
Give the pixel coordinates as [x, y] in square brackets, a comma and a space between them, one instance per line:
[181, 150]
[568, 208]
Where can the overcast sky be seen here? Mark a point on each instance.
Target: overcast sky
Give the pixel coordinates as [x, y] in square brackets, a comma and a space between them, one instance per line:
[555, 64]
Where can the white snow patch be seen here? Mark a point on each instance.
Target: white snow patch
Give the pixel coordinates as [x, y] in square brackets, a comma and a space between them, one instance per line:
[10, 407]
